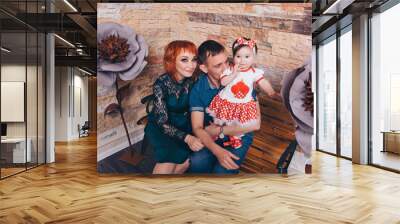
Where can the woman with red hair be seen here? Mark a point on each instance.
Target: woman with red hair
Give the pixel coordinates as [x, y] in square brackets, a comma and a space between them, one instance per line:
[168, 129]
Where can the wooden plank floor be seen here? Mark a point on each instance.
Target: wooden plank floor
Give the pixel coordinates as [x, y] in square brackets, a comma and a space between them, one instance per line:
[71, 191]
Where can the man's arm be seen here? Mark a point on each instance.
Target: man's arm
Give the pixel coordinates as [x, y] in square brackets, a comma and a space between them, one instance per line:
[197, 118]
[224, 157]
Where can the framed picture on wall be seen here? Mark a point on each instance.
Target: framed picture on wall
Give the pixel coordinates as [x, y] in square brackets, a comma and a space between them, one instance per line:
[12, 101]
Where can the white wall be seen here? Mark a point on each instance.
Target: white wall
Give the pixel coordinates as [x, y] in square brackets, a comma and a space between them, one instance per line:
[79, 117]
[70, 83]
[61, 103]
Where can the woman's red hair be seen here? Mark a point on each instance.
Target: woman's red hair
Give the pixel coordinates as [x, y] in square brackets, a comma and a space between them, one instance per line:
[172, 50]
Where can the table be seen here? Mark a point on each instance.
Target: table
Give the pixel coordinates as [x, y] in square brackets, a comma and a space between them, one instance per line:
[391, 141]
[13, 150]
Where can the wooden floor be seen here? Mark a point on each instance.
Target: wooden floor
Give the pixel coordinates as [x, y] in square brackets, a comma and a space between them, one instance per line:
[11, 170]
[71, 191]
[387, 159]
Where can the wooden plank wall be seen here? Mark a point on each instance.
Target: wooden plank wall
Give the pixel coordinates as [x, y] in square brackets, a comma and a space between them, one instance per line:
[276, 132]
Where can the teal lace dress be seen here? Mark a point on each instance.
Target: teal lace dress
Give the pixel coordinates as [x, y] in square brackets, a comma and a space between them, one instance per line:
[169, 121]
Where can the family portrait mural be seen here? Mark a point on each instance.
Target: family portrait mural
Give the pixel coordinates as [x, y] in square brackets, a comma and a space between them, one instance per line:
[204, 88]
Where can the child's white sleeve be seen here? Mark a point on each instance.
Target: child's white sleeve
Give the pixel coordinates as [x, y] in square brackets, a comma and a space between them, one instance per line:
[259, 75]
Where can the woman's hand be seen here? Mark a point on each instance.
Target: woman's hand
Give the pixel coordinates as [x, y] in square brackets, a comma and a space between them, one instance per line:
[213, 130]
[193, 143]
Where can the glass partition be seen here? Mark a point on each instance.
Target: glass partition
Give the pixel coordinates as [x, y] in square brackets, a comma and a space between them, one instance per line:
[41, 107]
[385, 89]
[31, 98]
[13, 94]
[346, 92]
[327, 96]
[22, 67]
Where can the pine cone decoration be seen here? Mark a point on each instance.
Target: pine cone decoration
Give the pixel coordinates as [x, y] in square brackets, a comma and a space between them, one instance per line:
[114, 49]
[309, 99]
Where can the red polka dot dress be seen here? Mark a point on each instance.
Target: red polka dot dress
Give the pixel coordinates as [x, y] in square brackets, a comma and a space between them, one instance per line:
[235, 104]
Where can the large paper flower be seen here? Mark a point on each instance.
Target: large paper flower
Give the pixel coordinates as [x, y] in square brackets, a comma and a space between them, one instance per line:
[121, 52]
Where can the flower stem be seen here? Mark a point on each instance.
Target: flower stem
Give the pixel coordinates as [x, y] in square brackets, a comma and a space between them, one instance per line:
[122, 117]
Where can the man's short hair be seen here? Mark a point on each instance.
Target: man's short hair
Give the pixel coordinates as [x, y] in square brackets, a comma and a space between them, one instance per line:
[209, 48]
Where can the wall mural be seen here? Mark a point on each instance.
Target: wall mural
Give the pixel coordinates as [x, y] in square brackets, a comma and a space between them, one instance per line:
[204, 88]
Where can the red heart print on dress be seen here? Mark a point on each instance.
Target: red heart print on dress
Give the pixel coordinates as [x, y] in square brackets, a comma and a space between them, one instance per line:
[240, 90]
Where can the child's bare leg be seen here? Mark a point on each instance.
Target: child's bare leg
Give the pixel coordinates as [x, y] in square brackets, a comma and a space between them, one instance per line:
[181, 168]
[164, 168]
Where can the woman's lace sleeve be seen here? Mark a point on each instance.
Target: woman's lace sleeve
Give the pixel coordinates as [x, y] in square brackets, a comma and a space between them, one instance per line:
[161, 113]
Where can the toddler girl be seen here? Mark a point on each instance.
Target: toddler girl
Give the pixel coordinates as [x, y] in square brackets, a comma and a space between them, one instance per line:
[235, 104]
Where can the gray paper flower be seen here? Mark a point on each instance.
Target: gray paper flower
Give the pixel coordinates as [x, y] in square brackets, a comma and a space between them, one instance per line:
[133, 61]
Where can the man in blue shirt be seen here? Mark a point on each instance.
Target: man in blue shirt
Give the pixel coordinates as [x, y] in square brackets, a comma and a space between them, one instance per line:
[214, 158]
